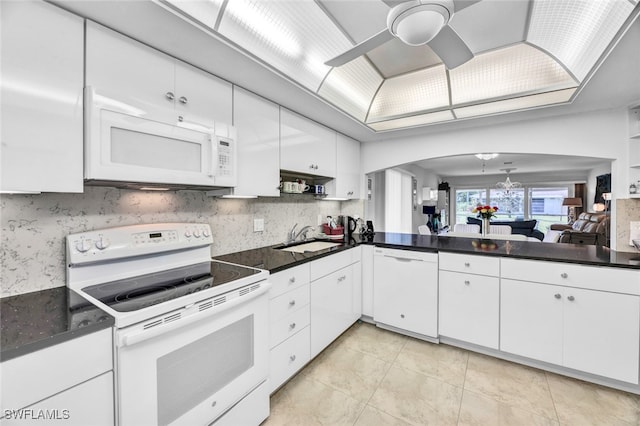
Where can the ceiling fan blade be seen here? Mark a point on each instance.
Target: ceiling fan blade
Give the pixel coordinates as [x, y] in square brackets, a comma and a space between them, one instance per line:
[450, 48]
[462, 4]
[360, 49]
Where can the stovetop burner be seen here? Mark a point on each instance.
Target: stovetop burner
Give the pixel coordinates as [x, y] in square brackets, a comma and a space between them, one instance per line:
[142, 291]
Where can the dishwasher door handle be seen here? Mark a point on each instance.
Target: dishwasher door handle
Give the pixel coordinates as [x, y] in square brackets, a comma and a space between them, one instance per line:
[402, 259]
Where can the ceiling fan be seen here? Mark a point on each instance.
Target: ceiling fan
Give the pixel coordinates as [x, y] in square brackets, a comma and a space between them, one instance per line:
[418, 22]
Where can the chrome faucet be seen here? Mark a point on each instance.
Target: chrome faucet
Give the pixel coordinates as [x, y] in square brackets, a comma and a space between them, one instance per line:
[293, 236]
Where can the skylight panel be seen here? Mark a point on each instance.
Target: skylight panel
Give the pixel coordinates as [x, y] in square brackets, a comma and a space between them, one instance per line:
[295, 37]
[416, 120]
[577, 32]
[351, 87]
[509, 105]
[513, 71]
[410, 93]
[205, 12]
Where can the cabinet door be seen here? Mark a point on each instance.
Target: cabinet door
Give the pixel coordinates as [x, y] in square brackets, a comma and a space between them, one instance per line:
[601, 332]
[347, 181]
[89, 403]
[331, 308]
[137, 73]
[531, 320]
[203, 98]
[405, 293]
[41, 98]
[257, 124]
[469, 308]
[306, 146]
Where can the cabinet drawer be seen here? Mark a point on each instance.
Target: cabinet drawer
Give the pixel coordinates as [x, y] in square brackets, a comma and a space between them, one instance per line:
[617, 280]
[288, 326]
[480, 265]
[287, 303]
[289, 357]
[287, 280]
[331, 263]
[38, 375]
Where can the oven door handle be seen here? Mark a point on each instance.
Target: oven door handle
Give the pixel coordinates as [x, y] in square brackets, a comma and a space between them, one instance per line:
[131, 338]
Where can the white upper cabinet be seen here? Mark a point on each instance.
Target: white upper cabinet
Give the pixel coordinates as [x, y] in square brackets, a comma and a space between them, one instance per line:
[347, 181]
[42, 76]
[151, 80]
[306, 146]
[257, 123]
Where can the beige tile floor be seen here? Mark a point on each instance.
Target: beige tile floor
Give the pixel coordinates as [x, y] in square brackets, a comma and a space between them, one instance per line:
[371, 377]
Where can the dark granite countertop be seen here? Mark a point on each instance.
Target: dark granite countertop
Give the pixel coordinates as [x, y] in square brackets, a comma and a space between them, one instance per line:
[37, 320]
[275, 260]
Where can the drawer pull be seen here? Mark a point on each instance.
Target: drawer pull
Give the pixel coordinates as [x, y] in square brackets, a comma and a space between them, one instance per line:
[342, 278]
[564, 275]
[401, 315]
[557, 296]
[292, 358]
[292, 280]
[467, 282]
[292, 303]
[292, 325]
[571, 298]
[467, 264]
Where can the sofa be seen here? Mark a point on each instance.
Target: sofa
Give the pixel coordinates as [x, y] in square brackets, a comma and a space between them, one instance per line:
[522, 227]
[589, 228]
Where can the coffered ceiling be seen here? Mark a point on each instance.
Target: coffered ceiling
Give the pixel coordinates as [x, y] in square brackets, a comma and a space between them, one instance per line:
[527, 53]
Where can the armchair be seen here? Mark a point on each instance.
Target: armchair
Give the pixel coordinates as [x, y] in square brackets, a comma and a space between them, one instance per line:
[589, 228]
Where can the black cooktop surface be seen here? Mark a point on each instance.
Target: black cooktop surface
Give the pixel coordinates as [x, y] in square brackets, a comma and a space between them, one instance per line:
[138, 292]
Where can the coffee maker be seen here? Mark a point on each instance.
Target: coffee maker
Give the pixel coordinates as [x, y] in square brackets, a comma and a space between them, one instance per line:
[350, 226]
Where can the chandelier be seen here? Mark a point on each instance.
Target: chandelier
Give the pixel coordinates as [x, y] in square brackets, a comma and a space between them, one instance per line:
[507, 185]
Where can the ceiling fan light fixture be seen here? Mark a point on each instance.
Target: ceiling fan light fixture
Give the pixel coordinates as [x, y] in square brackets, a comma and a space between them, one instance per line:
[418, 22]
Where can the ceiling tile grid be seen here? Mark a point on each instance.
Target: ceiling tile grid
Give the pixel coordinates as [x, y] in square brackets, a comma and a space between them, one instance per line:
[417, 91]
[416, 120]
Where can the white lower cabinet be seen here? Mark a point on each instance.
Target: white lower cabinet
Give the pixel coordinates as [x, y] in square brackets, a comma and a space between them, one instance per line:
[405, 293]
[469, 308]
[289, 317]
[588, 330]
[47, 380]
[367, 280]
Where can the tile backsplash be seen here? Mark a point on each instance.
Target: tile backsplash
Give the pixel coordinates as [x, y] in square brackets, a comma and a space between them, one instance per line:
[34, 226]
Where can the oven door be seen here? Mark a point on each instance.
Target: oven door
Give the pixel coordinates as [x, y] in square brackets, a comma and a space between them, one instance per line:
[198, 367]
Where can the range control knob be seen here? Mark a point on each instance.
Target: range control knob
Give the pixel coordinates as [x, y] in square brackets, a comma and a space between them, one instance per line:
[83, 245]
[196, 233]
[206, 233]
[187, 233]
[102, 243]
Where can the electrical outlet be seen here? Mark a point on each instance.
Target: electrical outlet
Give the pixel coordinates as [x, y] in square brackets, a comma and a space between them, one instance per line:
[258, 225]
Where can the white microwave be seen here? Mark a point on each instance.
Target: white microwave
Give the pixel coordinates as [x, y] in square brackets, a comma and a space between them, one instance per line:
[127, 145]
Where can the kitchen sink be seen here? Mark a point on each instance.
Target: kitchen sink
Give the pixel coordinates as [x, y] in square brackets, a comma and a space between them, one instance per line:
[310, 247]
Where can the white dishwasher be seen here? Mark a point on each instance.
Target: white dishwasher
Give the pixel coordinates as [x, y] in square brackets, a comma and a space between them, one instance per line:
[405, 291]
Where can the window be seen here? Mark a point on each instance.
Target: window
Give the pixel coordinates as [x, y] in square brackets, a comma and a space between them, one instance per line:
[510, 203]
[466, 200]
[546, 206]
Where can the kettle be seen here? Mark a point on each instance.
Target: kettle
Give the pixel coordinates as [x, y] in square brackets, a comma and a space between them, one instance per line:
[350, 226]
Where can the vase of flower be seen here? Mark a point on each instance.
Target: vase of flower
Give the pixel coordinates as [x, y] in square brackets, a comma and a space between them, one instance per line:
[485, 213]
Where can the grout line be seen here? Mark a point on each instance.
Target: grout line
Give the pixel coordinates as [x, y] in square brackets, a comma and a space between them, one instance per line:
[464, 382]
[555, 409]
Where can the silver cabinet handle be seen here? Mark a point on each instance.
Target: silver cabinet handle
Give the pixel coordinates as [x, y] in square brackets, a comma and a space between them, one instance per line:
[557, 296]
[292, 325]
[182, 100]
[571, 298]
[564, 275]
[342, 278]
[401, 315]
[292, 303]
[180, 118]
[170, 96]
[292, 280]
[467, 264]
[292, 358]
[467, 282]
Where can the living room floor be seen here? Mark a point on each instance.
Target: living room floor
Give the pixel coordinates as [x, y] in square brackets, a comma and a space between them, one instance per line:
[371, 377]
